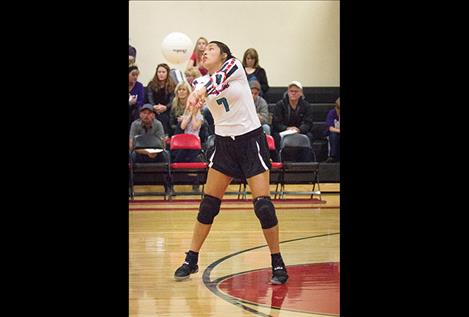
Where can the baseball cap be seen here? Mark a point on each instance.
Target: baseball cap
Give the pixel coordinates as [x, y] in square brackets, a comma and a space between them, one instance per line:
[296, 83]
[147, 106]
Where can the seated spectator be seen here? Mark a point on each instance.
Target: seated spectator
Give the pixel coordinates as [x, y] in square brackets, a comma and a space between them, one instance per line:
[292, 114]
[262, 108]
[160, 92]
[191, 74]
[190, 123]
[136, 94]
[254, 71]
[147, 124]
[196, 59]
[208, 125]
[333, 133]
[178, 107]
[132, 55]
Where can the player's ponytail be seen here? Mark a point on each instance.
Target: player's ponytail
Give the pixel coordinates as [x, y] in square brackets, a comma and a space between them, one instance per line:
[223, 49]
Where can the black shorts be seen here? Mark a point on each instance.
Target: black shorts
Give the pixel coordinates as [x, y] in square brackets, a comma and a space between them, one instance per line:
[242, 156]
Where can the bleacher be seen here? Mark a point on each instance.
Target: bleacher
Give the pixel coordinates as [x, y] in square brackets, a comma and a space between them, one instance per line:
[322, 100]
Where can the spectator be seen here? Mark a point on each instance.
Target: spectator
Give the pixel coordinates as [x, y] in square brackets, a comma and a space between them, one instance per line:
[160, 92]
[292, 113]
[254, 71]
[191, 74]
[333, 133]
[190, 123]
[196, 58]
[132, 55]
[136, 94]
[146, 124]
[208, 125]
[192, 120]
[262, 108]
[178, 107]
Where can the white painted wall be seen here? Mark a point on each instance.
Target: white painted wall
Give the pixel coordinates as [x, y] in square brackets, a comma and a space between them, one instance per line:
[296, 40]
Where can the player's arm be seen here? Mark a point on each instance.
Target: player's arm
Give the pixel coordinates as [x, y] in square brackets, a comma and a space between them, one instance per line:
[230, 71]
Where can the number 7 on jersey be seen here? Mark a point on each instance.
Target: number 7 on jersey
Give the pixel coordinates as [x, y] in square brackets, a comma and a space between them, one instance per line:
[224, 102]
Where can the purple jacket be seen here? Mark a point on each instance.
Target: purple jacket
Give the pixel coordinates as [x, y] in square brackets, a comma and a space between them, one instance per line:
[332, 117]
[140, 92]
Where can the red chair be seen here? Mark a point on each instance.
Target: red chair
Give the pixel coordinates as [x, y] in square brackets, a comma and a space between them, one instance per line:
[276, 172]
[191, 173]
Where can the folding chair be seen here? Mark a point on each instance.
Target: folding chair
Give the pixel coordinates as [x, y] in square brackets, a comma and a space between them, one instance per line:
[149, 173]
[299, 164]
[191, 173]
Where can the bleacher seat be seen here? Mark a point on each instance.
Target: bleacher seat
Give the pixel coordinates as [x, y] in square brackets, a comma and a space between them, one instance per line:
[190, 173]
[299, 164]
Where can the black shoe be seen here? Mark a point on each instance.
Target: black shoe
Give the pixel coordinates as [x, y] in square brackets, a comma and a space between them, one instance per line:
[184, 271]
[331, 160]
[279, 274]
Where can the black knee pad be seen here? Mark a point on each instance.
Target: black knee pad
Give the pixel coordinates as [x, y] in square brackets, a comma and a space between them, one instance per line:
[209, 208]
[265, 211]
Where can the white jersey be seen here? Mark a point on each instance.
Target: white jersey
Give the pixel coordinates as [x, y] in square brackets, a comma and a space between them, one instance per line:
[230, 100]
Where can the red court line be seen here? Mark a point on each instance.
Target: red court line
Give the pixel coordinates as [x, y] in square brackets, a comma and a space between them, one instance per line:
[228, 201]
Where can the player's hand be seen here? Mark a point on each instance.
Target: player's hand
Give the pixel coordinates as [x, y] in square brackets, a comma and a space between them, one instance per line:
[193, 100]
[197, 98]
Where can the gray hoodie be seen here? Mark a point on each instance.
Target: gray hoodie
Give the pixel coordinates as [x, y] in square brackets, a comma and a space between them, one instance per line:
[262, 109]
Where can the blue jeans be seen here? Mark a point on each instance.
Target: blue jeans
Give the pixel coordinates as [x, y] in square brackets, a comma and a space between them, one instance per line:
[334, 145]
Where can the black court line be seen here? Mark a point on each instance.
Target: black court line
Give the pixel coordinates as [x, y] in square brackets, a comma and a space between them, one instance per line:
[212, 285]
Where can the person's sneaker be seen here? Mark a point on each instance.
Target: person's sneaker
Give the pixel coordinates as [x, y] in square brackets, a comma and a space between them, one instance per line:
[279, 274]
[331, 160]
[184, 271]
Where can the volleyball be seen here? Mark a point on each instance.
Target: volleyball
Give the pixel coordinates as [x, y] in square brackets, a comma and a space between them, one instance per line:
[177, 48]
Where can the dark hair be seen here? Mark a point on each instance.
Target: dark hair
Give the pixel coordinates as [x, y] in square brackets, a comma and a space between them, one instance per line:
[223, 49]
[132, 68]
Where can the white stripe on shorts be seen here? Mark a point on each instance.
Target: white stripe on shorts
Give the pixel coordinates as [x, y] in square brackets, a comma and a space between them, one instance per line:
[211, 158]
[260, 157]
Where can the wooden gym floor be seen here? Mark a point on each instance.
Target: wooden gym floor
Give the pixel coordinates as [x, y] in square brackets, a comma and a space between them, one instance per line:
[234, 263]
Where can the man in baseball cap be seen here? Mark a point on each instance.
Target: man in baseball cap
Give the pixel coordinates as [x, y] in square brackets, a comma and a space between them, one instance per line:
[146, 124]
[292, 114]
